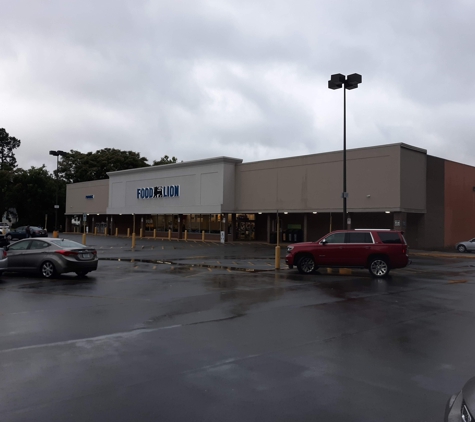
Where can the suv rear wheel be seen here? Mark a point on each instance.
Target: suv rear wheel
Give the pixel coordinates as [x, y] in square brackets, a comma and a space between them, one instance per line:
[306, 265]
[378, 267]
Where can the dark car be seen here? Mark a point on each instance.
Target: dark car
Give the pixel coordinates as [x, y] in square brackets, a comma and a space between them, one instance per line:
[378, 250]
[3, 241]
[3, 261]
[51, 257]
[20, 232]
[461, 406]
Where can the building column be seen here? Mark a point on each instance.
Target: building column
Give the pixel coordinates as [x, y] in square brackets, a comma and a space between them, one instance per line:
[180, 226]
[233, 227]
[305, 226]
[399, 221]
[268, 227]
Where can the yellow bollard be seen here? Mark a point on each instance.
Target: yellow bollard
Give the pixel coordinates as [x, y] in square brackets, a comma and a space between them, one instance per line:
[154, 233]
[95, 231]
[133, 240]
[116, 231]
[203, 235]
[84, 238]
[141, 233]
[277, 257]
[128, 232]
[105, 231]
[186, 234]
[169, 235]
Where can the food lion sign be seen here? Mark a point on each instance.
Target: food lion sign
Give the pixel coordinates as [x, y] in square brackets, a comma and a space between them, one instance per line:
[158, 192]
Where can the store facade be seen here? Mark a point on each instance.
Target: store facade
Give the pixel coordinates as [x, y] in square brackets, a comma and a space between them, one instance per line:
[391, 186]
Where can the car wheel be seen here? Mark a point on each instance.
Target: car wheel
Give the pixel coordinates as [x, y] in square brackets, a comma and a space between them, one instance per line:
[378, 267]
[48, 270]
[461, 248]
[81, 273]
[9, 236]
[306, 265]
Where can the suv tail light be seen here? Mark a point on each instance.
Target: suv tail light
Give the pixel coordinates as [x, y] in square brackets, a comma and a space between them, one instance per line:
[4, 254]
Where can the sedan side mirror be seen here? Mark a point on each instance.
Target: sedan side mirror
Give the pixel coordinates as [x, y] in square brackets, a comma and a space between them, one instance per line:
[324, 242]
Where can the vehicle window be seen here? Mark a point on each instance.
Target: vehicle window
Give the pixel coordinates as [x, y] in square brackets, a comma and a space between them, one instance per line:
[38, 244]
[389, 237]
[336, 238]
[19, 246]
[65, 243]
[359, 237]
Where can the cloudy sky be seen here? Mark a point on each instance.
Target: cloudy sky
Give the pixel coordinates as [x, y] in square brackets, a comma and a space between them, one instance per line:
[244, 78]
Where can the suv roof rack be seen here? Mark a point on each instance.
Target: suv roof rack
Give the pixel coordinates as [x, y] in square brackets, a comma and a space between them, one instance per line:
[376, 229]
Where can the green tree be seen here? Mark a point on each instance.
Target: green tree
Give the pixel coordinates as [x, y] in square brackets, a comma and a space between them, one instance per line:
[7, 145]
[79, 167]
[165, 160]
[7, 166]
[33, 194]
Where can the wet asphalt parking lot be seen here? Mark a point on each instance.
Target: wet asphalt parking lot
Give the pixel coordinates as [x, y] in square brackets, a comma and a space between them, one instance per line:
[192, 331]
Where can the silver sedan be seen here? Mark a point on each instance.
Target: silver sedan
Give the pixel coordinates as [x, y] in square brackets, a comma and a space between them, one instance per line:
[467, 246]
[51, 257]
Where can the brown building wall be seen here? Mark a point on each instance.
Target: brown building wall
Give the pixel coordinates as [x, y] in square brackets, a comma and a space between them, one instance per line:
[459, 202]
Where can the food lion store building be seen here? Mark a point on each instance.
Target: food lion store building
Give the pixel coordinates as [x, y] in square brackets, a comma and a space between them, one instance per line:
[395, 186]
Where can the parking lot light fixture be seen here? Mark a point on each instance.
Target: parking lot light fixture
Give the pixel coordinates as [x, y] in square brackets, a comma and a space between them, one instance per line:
[338, 81]
[57, 154]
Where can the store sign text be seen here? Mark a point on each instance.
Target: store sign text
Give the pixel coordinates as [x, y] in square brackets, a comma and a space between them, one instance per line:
[158, 192]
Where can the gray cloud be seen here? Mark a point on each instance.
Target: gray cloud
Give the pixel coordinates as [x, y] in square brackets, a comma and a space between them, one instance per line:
[246, 79]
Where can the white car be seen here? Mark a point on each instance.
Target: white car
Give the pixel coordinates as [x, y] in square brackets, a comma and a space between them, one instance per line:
[467, 246]
[4, 228]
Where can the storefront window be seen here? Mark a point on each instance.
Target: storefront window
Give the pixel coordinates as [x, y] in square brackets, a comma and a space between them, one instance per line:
[215, 223]
[195, 223]
[160, 222]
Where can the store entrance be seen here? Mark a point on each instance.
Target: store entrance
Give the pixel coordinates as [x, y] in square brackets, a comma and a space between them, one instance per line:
[245, 227]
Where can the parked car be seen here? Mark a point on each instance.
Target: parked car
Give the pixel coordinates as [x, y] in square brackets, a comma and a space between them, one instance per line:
[3, 241]
[4, 228]
[467, 246]
[375, 249]
[20, 232]
[51, 257]
[3, 261]
[461, 406]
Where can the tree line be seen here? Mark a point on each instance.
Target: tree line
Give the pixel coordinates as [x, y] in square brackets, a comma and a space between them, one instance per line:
[31, 193]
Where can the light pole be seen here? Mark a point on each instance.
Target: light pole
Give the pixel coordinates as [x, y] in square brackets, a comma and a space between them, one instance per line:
[56, 206]
[338, 81]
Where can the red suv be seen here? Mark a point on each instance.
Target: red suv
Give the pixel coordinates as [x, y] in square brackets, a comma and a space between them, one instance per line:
[376, 249]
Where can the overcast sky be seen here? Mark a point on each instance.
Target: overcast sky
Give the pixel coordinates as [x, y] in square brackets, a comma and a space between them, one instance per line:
[247, 79]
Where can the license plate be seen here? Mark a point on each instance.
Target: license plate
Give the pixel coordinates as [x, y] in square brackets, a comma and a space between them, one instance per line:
[86, 255]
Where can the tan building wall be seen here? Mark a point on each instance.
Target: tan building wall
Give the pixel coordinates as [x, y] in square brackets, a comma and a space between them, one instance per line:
[378, 179]
[77, 193]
